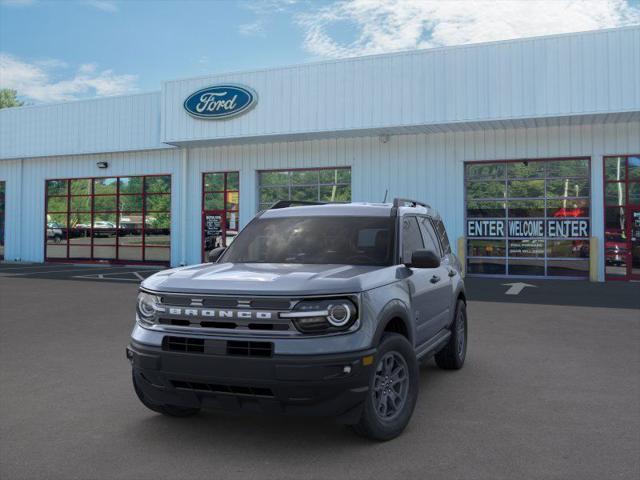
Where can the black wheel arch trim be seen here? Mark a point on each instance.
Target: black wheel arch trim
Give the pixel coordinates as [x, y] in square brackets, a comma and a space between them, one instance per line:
[392, 310]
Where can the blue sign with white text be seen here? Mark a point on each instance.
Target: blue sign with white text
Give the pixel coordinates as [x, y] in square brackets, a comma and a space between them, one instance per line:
[220, 101]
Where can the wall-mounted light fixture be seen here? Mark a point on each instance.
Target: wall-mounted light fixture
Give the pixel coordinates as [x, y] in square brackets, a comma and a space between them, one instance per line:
[102, 164]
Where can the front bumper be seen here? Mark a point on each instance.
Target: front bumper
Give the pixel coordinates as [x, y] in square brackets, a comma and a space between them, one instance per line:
[318, 385]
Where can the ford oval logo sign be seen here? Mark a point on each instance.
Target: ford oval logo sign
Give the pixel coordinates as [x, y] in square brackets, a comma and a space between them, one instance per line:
[220, 101]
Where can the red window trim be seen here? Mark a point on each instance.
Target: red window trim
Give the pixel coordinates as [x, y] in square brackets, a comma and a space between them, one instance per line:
[143, 246]
[626, 182]
[225, 193]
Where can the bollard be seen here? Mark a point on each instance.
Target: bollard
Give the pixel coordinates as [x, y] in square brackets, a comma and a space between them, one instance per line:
[593, 259]
[462, 254]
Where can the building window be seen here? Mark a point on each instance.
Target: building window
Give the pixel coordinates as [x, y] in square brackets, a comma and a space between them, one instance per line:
[2, 210]
[119, 219]
[315, 185]
[622, 217]
[220, 209]
[529, 218]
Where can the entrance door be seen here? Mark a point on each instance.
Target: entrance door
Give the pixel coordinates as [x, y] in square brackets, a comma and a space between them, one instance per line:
[634, 243]
[220, 210]
[622, 217]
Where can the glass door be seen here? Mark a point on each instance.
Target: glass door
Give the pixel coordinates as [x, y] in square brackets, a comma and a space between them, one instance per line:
[634, 240]
[220, 210]
[622, 217]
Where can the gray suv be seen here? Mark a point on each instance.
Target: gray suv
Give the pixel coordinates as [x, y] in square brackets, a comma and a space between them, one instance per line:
[314, 309]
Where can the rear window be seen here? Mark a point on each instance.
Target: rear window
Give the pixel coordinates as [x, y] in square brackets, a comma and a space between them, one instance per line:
[315, 240]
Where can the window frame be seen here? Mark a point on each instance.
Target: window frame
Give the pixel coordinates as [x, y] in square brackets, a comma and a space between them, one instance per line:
[226, 210]
[91, 213]
[506, 199]
[401, 219]
[3, 216]
[627, 206]
[262, 205]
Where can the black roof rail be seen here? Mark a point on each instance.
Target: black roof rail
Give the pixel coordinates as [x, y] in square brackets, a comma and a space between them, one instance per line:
[402, 202]
[294, 203]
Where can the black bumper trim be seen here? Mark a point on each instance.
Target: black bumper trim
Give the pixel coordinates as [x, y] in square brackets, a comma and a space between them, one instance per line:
[325, 385]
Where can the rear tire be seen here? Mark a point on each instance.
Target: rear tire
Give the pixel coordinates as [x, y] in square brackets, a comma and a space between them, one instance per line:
[393, 390]
[169, 410]
[452, 356]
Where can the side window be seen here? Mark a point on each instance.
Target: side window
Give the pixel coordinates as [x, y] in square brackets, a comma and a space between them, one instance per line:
[411, 238]
[430, 238]
[442, 234]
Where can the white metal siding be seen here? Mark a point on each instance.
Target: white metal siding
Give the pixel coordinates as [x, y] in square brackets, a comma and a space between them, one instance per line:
[90, 126]
[423, 166]
[25, 204]
[547, 77]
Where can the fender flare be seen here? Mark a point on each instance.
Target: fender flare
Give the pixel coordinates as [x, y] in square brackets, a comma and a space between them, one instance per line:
[394, 309]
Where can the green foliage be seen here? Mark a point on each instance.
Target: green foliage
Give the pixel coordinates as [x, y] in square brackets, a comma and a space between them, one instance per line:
[8, 98]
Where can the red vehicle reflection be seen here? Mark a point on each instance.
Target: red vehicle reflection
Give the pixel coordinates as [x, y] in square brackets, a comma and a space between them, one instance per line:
[615, 248]
[570, 212]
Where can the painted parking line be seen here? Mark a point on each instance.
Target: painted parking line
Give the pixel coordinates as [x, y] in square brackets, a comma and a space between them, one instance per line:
[116, 276]
[42, 272]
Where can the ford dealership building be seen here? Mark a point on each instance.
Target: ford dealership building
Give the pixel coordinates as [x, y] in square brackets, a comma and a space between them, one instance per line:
[529, 149]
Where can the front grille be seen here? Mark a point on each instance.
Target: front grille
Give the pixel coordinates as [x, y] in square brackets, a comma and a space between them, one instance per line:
[209, 302]
[223, 313]
[280, 326]
[249, 349]
[183, 344]
[228, 389]
[217, 346]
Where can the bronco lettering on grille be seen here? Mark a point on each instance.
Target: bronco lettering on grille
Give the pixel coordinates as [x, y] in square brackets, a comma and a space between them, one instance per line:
[215, 313]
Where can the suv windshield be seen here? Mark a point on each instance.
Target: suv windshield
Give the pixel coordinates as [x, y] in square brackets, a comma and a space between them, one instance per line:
[322, 239]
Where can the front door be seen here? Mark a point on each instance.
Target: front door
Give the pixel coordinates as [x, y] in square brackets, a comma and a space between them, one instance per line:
[220, 210]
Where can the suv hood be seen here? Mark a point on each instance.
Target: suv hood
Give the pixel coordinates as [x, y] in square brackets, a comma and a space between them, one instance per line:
[270, 279]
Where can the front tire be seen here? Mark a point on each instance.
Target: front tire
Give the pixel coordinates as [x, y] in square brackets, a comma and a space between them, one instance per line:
[169, 410]
[393, 390]
[452, 356]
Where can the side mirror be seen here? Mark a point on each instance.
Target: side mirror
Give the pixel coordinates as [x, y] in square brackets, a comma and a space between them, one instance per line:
[424, 259]
[214, 254]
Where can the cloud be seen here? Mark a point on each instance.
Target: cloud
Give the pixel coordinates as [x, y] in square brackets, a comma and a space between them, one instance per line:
[252, 29]
[38, 82]
[388, 25]
[104, 5]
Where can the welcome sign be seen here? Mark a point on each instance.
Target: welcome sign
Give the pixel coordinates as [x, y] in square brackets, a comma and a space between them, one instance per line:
[525, 228]
[219, 102]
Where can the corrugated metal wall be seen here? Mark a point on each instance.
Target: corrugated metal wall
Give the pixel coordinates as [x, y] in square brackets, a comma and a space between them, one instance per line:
[25, 202]
[424, 166]
[576, 74]
[112, 124]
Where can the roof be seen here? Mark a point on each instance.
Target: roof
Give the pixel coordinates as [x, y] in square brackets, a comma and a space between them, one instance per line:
[527, 82]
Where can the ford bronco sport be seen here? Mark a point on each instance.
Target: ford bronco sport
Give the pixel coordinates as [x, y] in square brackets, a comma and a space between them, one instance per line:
[314, 309]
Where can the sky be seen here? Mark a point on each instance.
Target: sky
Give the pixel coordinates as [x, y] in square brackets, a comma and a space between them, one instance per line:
[59, 50]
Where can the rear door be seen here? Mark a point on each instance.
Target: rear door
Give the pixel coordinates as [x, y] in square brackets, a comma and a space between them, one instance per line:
[422, 285]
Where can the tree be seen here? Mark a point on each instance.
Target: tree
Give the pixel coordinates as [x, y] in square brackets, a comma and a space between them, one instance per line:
[8, 98]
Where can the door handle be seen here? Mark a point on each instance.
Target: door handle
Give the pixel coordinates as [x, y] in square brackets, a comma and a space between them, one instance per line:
[435, 279]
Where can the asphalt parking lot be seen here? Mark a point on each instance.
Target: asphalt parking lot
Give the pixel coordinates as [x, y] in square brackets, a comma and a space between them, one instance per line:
[550, 390]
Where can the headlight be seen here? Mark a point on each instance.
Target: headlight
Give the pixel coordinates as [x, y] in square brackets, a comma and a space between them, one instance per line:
[147, 307]
[323, 316]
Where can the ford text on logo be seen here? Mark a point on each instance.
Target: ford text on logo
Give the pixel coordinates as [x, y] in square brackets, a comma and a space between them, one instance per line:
[220, 101]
